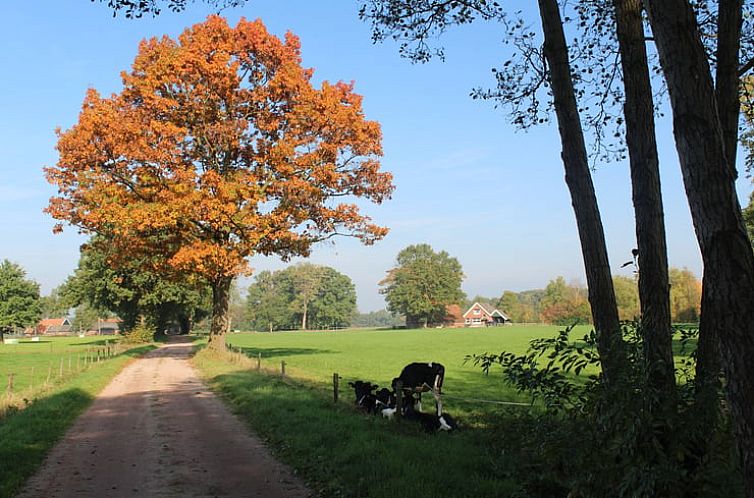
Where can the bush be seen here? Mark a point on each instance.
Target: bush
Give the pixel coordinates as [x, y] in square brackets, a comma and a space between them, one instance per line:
[593, 441]
[139, 334]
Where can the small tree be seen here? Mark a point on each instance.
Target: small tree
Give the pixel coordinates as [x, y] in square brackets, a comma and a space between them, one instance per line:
[422, 283]
[219, 148]
[19, 298]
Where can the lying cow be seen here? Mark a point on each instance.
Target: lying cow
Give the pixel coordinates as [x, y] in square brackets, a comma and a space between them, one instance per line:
[430, 422]
[365, 397]
[422, 377]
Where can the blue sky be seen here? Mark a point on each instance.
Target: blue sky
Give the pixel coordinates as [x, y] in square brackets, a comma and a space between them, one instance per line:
[466, 181]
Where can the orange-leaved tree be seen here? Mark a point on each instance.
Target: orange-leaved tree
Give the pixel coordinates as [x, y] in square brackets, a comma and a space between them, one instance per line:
[217, 148]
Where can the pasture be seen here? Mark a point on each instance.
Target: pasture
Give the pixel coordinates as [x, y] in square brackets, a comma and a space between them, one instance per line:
[35, 364]
[379, 356]
[341, 452]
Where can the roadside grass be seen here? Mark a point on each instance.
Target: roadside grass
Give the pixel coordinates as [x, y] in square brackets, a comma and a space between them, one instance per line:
[27, 435]
[343, 453]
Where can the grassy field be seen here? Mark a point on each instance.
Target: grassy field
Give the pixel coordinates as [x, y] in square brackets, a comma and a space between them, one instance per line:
[341, 452]
[379, 356]
[50, 408]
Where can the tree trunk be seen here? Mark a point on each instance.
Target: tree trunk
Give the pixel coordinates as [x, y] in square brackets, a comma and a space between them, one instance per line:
[654, 289]
[584, 201]
[220, 315]
[184, 322]
[710, 188]
[303, 317]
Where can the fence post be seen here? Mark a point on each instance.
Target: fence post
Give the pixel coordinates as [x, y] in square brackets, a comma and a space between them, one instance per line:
[70, 355]
[335, 385]
[60, 376]
[31, 379]
[78, 362]
[398, 399]
[259, 361]
[10, 383]
[49, 373]
[282, 369]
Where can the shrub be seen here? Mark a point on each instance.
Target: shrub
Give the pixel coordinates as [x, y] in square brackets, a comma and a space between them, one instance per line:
[589, 440]
[139, 334]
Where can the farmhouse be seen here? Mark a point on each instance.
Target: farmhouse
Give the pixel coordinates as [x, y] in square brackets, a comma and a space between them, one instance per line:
[54, 326]
[480, 315]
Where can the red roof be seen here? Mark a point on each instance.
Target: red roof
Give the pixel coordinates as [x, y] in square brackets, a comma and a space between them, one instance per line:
[53, 322]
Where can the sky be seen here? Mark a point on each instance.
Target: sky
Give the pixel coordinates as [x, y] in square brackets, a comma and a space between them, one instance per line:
[467, 181]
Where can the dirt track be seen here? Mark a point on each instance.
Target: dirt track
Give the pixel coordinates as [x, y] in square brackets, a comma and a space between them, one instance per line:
[156, 431]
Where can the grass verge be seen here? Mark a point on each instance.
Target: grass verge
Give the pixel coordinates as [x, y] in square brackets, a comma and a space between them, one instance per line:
[343, 453]
[27, 435]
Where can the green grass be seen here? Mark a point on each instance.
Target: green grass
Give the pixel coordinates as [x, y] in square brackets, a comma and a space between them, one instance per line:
[343, 453]
[379, 356]
[27, 435]
[32, 362]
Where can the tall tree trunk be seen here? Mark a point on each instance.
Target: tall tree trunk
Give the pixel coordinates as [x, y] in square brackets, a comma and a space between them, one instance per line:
[729, 20]
[303, 317]
[710, 188]
[220, 315]
[584, 201]
[654, 289]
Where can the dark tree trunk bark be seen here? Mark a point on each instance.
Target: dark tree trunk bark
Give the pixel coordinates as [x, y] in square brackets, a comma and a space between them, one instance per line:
[728, 107]
[220, 315]
[584, 201]
[710, 188]
[654, 289]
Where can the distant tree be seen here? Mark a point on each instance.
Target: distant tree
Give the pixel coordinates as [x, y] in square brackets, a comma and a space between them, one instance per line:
[564, 304]
[19, 298]
[685, 295]
[379, 318]
[86, 316]
[627, 297]
[422, 283]
[510, 305]
[133, 290]
[301, 296]
[55, 305]
[748, 214]
[219, 147]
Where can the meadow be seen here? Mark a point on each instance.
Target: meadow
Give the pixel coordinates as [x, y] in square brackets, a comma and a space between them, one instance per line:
[379, 355]
[342, 452]
[39, 411]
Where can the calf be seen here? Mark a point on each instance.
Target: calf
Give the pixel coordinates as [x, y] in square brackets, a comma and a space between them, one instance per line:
[423, 377]
[365, 398]
[430, 422]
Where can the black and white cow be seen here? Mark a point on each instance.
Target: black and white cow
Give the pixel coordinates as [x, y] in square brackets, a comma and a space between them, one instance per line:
[422, 377]
[430, 422]
[365, 397]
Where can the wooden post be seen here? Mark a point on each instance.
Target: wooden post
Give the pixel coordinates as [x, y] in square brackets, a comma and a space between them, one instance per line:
[69, 361]
[259, 361]
[49, 373]
[78, 362]
[60, 375]
[31, 379]
[10, 383]
[398, 399]
[282, 369]
[335, 385]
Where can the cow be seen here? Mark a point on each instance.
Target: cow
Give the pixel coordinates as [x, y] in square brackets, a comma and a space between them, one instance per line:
[365, 398]
[430, 422]
[422, 377]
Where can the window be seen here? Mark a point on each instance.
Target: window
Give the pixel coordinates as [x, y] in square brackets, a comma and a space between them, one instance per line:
[477, 311]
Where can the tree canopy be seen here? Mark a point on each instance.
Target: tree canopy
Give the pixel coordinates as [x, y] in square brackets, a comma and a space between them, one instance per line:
[218, 148]
[422, 283]
[301, 296]
[19, 298]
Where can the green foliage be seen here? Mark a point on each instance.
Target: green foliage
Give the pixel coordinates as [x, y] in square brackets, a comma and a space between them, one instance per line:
[133, 290]
[593, 440]
[563, 304]
[748, 211]
[379, 318]
[140, 334]
[304, 294]
[626, 297]
[54, 305]
[85, 317]
[422, 284]
[19, 298]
